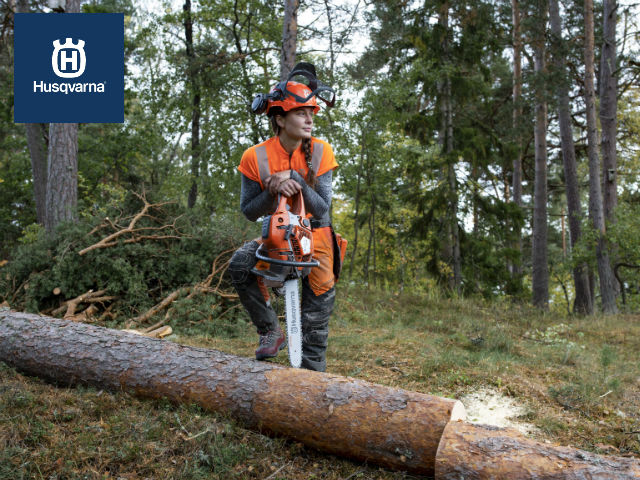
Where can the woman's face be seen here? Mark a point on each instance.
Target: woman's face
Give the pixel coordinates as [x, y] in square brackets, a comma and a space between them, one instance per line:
[297, 124]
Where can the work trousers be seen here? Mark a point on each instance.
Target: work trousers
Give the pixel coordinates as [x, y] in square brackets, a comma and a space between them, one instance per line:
[315, 309]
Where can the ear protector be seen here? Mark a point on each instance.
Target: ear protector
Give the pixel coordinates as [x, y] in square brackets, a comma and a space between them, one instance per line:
[303, 71]
[261, 100]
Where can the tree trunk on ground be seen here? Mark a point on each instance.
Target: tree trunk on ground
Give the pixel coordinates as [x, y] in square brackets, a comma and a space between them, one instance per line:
[605, 273]
[478, 452]
[289, 38]
[517, 114]
[540, 267]
[192, 74]
[583, 302]
[344, 416]
[62, 175]
[608, 109]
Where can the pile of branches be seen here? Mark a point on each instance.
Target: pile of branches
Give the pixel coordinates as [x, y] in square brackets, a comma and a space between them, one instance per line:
[129, 270]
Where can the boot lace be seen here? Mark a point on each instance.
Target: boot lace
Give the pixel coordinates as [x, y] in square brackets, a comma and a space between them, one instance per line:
[270, 337]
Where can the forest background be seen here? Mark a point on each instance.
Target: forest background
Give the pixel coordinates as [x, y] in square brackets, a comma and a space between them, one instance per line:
[486, 148]
[488, 173]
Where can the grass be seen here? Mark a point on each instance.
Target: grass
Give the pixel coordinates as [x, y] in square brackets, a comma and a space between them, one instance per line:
[579, 379]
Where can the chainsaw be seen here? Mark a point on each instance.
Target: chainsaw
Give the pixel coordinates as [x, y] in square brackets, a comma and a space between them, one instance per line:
[287, 250]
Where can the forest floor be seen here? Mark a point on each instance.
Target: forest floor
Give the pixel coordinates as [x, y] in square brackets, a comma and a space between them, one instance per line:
[566, 380]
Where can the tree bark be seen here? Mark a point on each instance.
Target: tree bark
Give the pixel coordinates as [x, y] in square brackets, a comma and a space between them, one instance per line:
[608, 109]
[517, 114]
[343, 416]
[451, 250]
[192, 74]
[605, 273]
[62, 175]
[540, 267]
[478, 452]
[289, 38]
[62, 165]
[37, 143]
[583, 303]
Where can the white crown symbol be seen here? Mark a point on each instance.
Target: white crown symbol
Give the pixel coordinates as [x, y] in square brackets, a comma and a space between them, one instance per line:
[68, 43]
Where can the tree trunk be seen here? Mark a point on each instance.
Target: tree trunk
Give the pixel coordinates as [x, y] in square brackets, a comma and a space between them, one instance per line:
[540, 273]
[289, 38]
[192, 74]
[37, 143]
[356, 220]
[451, 250]
[608, 109]
[517, 114]
[605, 273]
[478, 452]
[343, 416]
[61, 197]
[583, 303]
[62, 175]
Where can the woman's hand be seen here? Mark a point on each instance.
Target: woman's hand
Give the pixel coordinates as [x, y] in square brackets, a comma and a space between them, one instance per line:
[272, 182]
[289, 187]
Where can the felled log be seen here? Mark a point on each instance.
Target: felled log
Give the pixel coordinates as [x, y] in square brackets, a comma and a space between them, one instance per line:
[344, 416]
[478, 452]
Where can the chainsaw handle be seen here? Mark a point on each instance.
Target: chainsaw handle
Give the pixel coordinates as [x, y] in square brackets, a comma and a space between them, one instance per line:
[286, 263]
[297, 204]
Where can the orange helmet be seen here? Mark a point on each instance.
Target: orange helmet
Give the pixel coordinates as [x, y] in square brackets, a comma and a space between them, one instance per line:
[295, 95]
[290, 94]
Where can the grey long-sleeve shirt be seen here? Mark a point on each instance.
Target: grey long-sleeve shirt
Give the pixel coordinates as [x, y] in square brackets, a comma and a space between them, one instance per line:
[255, 202]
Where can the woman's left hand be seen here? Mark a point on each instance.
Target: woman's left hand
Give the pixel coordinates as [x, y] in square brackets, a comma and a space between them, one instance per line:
[272, 182]
[289, 187]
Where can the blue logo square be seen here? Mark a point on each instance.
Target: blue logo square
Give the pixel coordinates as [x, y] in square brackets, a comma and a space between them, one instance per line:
[69, 68]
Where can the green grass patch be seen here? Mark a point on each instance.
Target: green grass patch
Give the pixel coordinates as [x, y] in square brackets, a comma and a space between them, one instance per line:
[579, 379]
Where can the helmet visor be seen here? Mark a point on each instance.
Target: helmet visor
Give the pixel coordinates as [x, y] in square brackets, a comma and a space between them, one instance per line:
[319, 89]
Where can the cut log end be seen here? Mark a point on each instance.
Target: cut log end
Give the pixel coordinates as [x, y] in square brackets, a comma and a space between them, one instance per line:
[481, 452]
[458, 412]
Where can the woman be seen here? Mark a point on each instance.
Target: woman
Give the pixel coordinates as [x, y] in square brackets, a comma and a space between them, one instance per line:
[291, 161]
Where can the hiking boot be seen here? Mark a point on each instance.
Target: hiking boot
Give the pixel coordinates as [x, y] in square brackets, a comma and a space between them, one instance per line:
[270, 344]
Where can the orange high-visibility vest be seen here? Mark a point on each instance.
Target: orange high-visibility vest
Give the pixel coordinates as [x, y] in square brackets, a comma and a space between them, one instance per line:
[268, 157]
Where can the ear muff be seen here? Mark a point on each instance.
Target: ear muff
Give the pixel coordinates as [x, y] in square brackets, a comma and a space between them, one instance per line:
[261, 100]
[259, 103]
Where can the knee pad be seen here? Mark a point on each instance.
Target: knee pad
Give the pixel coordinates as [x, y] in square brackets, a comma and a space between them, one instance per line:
[242, 261]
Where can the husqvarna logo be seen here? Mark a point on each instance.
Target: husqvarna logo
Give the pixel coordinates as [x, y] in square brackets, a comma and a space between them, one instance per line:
[68, 60]
[68, 67]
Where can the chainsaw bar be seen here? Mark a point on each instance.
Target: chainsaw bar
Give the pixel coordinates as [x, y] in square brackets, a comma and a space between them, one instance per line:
[294, 328]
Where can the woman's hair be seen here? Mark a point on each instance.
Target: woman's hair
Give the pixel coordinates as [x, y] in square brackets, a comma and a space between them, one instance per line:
[306, 144]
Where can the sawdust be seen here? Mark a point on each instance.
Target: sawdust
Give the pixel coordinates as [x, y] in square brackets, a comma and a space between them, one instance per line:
[489, 407]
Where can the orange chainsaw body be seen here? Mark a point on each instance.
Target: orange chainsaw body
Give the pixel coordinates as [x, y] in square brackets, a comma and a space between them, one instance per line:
[286, 251]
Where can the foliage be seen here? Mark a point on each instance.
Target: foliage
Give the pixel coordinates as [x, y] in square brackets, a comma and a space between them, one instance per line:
[140, 274]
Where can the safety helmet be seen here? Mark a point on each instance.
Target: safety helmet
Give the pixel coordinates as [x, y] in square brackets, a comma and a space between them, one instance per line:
[295, 95]
[291, 94]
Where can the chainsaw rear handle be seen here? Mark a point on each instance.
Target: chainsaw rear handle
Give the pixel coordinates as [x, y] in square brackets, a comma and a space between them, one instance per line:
[286, 263]
[297, 205]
